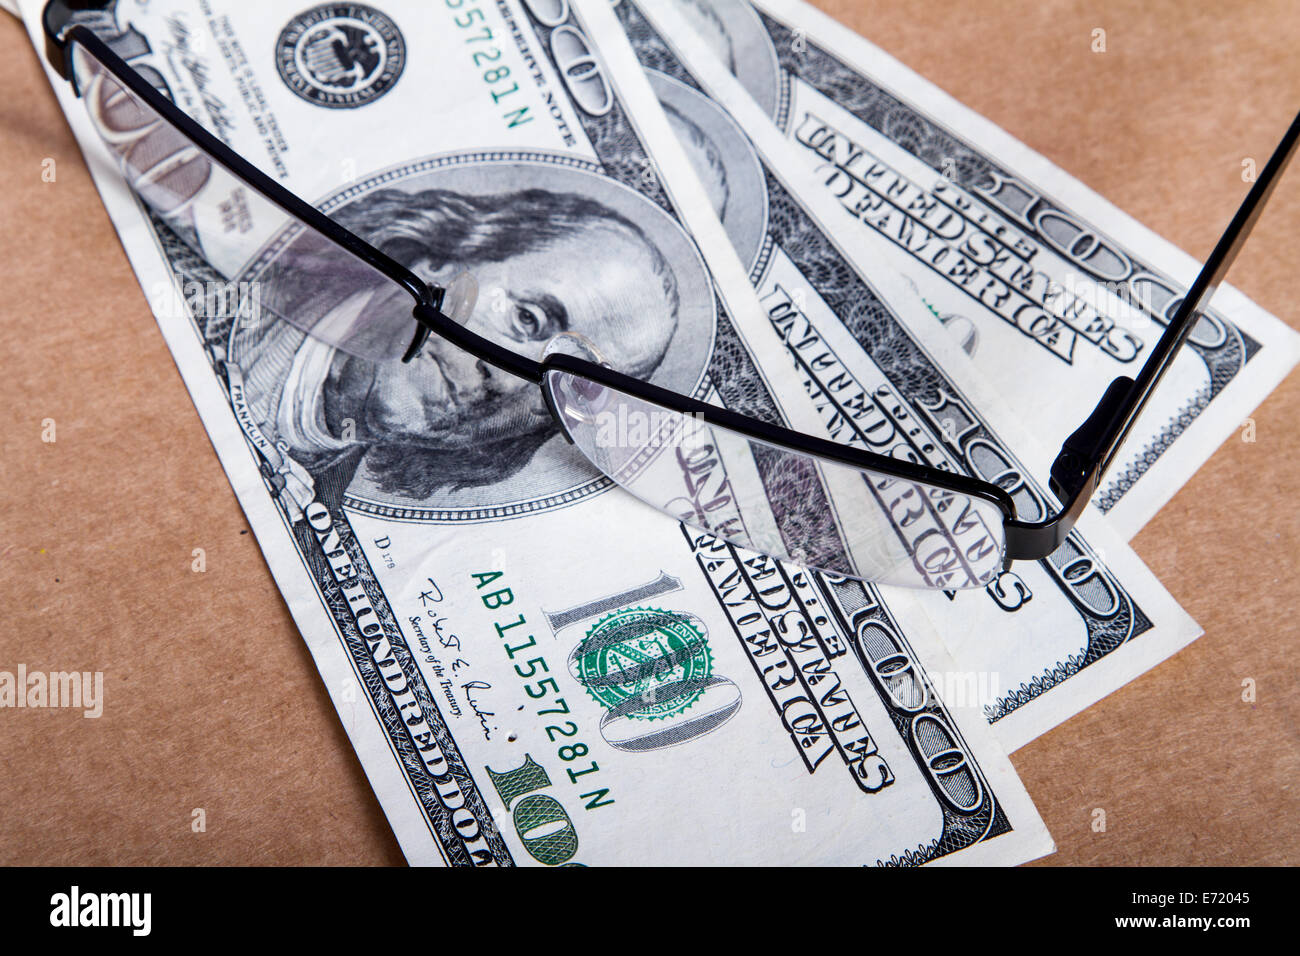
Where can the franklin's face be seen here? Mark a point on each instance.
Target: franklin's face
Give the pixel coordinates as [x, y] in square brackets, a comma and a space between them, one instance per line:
[599, 281]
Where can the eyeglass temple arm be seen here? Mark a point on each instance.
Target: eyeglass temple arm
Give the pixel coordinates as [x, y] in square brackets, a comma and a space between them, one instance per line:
[1088, 452]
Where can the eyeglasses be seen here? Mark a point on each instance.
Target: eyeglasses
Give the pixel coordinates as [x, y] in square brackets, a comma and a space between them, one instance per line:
[899, 522]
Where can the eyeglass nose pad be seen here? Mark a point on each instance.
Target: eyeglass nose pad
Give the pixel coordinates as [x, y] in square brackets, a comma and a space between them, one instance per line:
[456, 303]
[579, 346]
[575, 344]
[459, 298]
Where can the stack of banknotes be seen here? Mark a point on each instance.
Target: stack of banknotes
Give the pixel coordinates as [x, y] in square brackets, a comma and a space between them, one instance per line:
[771, 214]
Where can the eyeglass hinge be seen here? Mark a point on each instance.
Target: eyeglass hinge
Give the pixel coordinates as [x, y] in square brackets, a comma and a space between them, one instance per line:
[1081, 454]
[55, 19]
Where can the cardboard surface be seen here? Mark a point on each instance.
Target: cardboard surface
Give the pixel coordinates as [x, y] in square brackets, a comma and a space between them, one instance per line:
[211, 698]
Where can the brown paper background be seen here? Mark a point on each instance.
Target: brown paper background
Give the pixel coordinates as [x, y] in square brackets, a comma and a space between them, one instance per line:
[212, 699]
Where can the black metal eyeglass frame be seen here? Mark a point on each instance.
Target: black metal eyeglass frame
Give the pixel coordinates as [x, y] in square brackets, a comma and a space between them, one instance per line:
[1075, 474]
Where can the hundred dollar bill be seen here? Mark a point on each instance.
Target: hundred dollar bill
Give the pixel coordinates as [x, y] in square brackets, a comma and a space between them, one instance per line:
[1049, 637]
[1050, 290]
[533, 666]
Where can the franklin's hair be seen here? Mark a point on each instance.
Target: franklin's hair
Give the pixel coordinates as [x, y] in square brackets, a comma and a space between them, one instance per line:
[449, 228]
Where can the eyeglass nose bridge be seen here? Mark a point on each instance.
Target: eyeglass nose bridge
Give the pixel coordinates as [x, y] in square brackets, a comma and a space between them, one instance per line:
[422, 331]
[455, 302]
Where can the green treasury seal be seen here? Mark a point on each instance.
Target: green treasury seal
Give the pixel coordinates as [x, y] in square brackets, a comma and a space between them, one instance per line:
[644, 663]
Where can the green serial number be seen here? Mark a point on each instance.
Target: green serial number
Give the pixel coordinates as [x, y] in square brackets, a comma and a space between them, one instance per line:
[484, 55]
[543, 825]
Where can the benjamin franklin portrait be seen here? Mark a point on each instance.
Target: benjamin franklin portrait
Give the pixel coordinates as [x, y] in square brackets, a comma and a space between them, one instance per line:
[553, 249]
